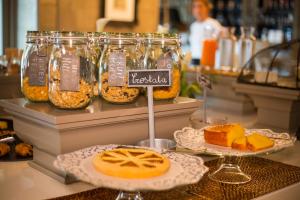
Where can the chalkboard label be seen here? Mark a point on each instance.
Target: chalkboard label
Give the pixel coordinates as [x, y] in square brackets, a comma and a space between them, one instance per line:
[70, 68]
[204, 80]
[116, 69]
[142, 78]
[37, 69]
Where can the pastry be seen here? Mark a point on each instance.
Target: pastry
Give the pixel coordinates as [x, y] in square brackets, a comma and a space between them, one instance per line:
[240, 143]
[131, 163]
[223, 135]
[256, 142]
[23, 149]
[4, 149]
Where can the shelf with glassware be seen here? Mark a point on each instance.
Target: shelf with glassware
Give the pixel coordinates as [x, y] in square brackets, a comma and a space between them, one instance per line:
[273, 20]
[222, 59]
[271, 79]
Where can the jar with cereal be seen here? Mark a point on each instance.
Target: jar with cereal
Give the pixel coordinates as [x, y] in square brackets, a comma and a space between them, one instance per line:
[120, 56]
[163, 52]
[70, 71]
[34, 66]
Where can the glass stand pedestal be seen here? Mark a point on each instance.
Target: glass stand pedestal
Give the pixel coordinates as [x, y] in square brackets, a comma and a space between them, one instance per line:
[229, 171]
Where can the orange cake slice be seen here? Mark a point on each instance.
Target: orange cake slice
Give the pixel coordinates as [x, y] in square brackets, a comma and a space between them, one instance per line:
[256, 142]
[240, 143]
[131, 163]
[223, 135]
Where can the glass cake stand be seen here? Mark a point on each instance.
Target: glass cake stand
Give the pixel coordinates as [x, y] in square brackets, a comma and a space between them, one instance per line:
[229, 170]
[129, 196]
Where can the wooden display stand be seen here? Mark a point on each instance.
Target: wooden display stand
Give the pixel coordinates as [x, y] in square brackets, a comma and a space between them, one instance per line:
[53, 131]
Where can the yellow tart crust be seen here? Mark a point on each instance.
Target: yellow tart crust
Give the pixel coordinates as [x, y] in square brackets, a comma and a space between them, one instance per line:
[131, 163]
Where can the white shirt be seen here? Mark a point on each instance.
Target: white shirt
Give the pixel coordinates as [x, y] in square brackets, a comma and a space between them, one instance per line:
[197, 35]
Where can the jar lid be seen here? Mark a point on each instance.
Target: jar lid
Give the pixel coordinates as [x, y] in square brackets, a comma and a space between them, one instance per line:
[97, 34]
[38, 34]
[158, 35]
[159, 38]
[97, 37]
[68, 35]
[122, 38]
[38, 37]
[166, 36]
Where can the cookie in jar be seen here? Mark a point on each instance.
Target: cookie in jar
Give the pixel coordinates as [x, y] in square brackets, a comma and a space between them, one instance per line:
[117, 94]
[34, 66]
[70, 71]
[119, 57]
[161, 93]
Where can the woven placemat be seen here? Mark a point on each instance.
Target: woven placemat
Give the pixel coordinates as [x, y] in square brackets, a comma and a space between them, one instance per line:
[267, 176]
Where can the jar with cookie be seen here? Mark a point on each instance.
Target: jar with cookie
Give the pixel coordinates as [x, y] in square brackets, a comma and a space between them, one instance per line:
[119, 57]
[70, 71]
[34, 66]
[163, 52]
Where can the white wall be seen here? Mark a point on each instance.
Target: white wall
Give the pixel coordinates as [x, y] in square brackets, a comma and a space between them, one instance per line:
[27, 19]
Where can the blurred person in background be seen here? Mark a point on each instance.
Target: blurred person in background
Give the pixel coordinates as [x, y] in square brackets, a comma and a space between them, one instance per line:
[201, 10]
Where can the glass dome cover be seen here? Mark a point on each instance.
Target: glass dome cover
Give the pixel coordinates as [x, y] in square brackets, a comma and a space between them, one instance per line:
[274, 66]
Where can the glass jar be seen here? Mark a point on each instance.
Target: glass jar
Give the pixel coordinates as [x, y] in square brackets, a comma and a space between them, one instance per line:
[163, 52]
[70, 71]
[119, 56]
[34, 66]
[97, 42]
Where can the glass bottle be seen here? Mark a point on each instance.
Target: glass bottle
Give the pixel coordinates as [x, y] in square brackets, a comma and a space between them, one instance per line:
[227, 45]
[70, 71]
[163, 52]
[119, 56]
[209, 48]
[246, 45]
[34, 66]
